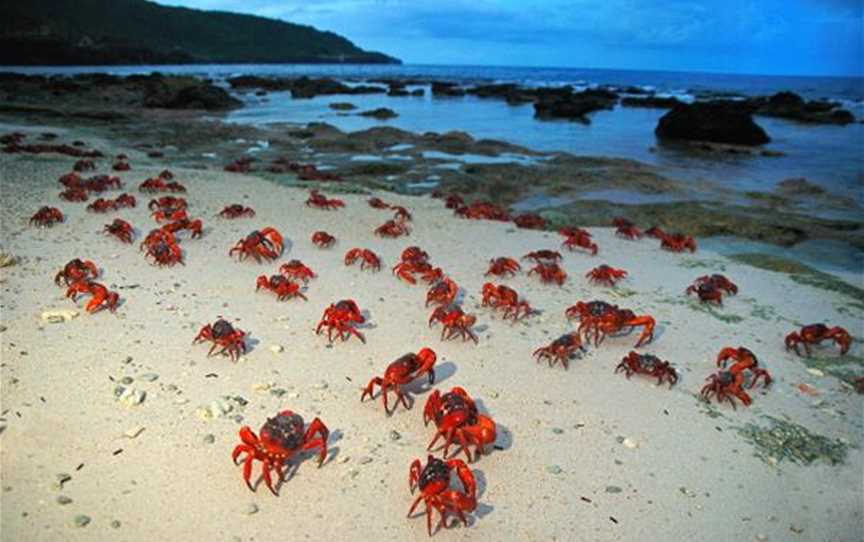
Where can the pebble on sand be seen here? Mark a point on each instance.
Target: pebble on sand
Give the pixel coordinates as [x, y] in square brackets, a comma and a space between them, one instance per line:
[132, 397]
[134, 432]
[81, 521]
[59, 316]
[277, 348]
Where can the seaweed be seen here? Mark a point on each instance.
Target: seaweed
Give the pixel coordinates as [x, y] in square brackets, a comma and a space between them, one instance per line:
[846, 368]
[783, 440]
[617, 291]
[704, 307]
[800, 273]
[693, 263]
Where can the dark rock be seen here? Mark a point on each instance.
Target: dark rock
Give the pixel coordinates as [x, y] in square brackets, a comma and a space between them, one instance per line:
[799, 187]
[342, 106]
[574, 106]
[718, 122]
[203, 96]
[398, 92]
[253, 81]
[382, 113]
[443, 88]
[789, 105]
[650, 101]
[418, 92]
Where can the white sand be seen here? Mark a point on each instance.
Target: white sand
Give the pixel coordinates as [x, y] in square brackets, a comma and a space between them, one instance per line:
[691, 477]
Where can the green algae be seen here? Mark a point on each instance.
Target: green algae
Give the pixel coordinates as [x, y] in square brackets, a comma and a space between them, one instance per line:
[694, 263]
[708, 308]
[783, 440]
[800, 273]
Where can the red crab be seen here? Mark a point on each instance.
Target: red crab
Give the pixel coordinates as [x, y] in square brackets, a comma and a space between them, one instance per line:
[46, 217]
[166, 174]
[502, 267]
[281, 437]
[433, 481]
[125, 200]
[120, 229]
[402, 371]
[442, 292]
[74, 194]
[377, 203]
[195, 226]
[169, 214]
[122, 166]
[711, 288]
[75, 271]
[175, 187]
[406, 269]
[579, 238]
[283, 287]
[483, 210]
[726, 385]
[655, 232]
[401, 213]
[601, 319]
[296, 270]
[678, 242]
[102, 297]
[457, 420]
[530, 221]
[626, 229]
[266, 243]
[84, 165]
[393, 228]
[649, 365]
[341, 317]
[162, 246]
[236, 211]
[414, 253]
[102, 205]
[167, 204]
[503, 297]
[543, 256]
[368, 258]
[815, 334]
[606, 275]
[549, 273]
[156, 184]
[454, 322]
[241, 165]
[454, 201]
[560, 350]
[322, 239]
[223, 335]
[320, 201]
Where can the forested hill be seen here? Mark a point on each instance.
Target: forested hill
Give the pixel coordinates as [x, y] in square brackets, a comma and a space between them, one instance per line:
[64, 32]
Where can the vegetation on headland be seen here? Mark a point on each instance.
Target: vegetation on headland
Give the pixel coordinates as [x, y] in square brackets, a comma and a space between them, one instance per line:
[97, 32]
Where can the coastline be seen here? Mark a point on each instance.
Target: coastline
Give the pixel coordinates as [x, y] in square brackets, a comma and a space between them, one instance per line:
[690, 475]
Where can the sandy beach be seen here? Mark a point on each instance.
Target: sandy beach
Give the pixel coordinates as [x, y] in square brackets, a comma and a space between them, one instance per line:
[582, 454]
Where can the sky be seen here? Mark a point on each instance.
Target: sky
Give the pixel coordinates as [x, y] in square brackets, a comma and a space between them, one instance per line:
[786, 37]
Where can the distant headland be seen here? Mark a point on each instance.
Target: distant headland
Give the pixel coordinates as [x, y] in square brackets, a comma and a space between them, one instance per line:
[112, 32]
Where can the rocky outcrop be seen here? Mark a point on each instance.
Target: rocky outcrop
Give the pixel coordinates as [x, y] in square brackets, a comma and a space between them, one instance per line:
[382, 113]
[573, 106]
[203, 96]
[716, 122]
[446, 89]
[789, 105]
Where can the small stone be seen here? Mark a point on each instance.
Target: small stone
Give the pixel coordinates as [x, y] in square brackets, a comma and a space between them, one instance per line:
[59, 316]
[345, 459]
[796, 529]
[115, 524]
[127, 380]
[554, 469]
[220, 407]
[148, 377]
[557, 430]
[320, 385]
[630, 443]
[181, 401]
[81, 521]
[205, 413]
[279, 392]
[261, 386]
[209, 438]
[250, 509]
[394, 436]
[63, 499]
[134, 432]
[613, 489]
[761, 537]
[815, 372]
[365, 460]
[294, 395]
[277, 348]
[132, 397]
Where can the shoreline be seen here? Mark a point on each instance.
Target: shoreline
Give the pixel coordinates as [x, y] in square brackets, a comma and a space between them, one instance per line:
[563, 468]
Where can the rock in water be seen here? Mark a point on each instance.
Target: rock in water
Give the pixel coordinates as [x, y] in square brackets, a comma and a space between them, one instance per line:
[717, 122]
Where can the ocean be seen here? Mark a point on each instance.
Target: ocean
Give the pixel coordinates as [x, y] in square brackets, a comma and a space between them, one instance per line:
[828, 155]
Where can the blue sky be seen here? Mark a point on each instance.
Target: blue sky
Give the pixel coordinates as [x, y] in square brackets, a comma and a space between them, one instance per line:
[806, 37]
